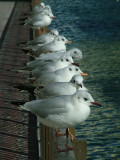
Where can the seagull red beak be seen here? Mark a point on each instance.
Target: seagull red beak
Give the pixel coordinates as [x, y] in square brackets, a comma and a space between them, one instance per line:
[75, 64]
[95, 103]
[53, 17]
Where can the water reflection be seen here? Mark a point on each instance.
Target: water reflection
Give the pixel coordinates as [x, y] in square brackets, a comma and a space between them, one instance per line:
[94, 27]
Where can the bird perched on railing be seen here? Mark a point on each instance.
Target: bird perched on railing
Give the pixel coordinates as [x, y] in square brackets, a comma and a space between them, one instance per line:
[35, 10]
[42, 39]
[75, 53]
[62, 111]
[59, 43]
[39, 21]
[61, 88]
[62, 75]
[53, 66]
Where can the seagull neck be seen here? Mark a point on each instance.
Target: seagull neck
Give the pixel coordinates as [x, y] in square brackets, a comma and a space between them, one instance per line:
[55, 42]
[78, 87]
[73, 85]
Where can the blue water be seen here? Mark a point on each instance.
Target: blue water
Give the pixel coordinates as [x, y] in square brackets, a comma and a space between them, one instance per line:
[94, 28]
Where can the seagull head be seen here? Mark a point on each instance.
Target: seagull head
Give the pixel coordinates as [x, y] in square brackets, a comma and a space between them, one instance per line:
[76, 54]
[76, 81]
[48, 7]
[42, 5]
[66, 59]
[62, 39]
[76, 70]
[85, 98]
[54, 32]
[48, 13]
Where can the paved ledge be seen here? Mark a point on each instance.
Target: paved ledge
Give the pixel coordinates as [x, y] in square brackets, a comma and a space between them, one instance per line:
[17, 127]
[5, 11]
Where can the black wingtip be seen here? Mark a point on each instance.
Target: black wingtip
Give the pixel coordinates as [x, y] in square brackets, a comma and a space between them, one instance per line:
[21, 87]
[18, 103]
[24, 50]
[22, 19]
[21, 24]
[20, 43]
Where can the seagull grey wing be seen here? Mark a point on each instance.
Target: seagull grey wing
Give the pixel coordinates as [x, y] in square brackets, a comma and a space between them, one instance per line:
[50, 56]
[38, 18]
[45, 107]
[43, 79]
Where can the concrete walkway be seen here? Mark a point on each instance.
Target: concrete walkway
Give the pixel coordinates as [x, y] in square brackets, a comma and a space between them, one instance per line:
[18, 140]
[5, 11]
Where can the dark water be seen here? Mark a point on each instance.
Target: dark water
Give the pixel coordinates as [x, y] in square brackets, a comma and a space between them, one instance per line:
[94, 27]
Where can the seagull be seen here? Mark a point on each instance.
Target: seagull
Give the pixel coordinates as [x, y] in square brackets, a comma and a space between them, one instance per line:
[61, 88]
[53, 66]
[39, 21]
[46, 10]
[61, 75]
[75, 53]
[62, 111]
[37, 8]
[50, 66]
[41, 10]
[37, 68]
[43, 39]
[56, 45]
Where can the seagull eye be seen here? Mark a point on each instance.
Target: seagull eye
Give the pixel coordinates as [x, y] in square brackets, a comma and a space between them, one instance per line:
[76, 69]
[67, 60]
[85, 99]
[70, 69]
[62, 39]
[75, 52]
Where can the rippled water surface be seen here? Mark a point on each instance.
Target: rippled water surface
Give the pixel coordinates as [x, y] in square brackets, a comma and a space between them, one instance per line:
[94, 27]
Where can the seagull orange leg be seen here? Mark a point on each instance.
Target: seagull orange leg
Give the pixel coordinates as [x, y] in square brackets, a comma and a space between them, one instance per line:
[40, 31]
[71, 135]
[67, 147]
[57, 142]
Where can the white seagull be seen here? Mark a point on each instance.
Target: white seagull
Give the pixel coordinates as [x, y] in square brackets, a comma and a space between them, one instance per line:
[37, 9]
[39, 21]
[75, 53]
[61, 75]
[56, 45]
[47, 8]
[61, 88]
[53, 66]
[42, 39]
[62, 111]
